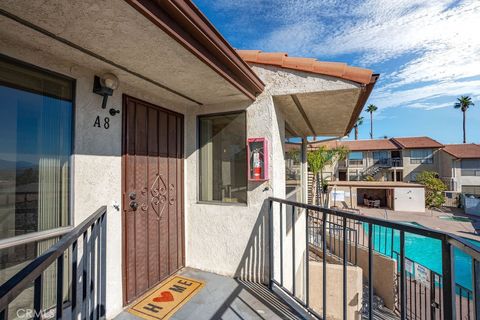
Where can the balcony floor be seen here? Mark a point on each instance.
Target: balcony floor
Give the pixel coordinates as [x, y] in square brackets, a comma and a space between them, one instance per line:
[227, 298]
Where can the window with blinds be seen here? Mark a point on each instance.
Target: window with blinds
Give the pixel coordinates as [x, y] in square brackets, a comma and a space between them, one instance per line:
[470, 167]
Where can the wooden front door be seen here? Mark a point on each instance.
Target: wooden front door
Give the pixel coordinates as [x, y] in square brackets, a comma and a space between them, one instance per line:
[153, 220]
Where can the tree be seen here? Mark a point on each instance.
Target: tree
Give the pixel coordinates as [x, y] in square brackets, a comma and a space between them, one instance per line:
[434, 188]
[357, 124]
[463, 103]
[317, 160]
[371, 109]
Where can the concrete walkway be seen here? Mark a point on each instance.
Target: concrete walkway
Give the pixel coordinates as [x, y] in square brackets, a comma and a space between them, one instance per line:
[227, 298]
[432, 220]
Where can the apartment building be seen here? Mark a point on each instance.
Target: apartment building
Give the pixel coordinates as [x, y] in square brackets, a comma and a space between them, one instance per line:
[137, 143]
[460, 167]
[394, 159]
[142, 114]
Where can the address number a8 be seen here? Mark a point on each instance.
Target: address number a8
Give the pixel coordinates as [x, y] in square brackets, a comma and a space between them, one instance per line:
[98, 122]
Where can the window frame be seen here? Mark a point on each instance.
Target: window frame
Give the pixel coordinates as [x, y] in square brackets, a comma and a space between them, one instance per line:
[475, 187]
[464, 171]
[379, 159]
[220, 203]
[356, 162]
[59, 231]
[424, 160]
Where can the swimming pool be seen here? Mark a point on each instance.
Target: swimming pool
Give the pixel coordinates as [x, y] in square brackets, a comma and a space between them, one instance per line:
[423, 250]
[453, 218]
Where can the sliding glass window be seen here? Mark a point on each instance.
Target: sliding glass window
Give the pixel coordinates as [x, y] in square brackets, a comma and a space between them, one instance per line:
[223, 158]
[36, 109]
[418, 156]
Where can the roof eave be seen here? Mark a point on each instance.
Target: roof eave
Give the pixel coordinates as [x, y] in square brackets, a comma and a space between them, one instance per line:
[402, 146]
[457, 157]
[423, 147]
[364, 95]
[186, 24]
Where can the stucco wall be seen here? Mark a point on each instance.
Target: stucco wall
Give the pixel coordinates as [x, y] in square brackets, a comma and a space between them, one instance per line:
[458, 180]
[384, 282]
[409, 199]
[334, 290]
[230, 239]
[446, 164]
[236, 244]
[409, 168]
[96, 162]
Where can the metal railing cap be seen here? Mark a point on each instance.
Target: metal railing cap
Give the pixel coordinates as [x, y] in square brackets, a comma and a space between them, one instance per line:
[454, 240]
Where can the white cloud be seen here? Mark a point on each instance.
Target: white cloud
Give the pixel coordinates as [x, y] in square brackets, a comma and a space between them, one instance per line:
[429, 106]
[433, 45]
[420, 96]
[294, 38]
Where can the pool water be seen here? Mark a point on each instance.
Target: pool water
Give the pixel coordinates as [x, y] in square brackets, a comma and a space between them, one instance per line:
[423, 250]
[453, 218]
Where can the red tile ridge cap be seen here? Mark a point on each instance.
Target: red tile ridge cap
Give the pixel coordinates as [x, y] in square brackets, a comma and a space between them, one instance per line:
[334, 69]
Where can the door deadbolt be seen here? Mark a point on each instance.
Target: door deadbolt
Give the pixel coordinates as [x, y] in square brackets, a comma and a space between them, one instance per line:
[132, 195]
[133, 205]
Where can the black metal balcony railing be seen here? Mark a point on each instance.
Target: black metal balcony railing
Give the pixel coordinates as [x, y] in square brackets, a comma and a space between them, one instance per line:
[423, 301]
[355, 163]
[335, 236]
[85, 246]
[389, 162]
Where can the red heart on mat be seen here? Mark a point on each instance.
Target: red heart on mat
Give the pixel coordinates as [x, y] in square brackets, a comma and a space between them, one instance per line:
[165, 296]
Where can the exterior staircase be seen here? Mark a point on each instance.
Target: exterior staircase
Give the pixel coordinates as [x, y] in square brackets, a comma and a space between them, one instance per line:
[379, 166]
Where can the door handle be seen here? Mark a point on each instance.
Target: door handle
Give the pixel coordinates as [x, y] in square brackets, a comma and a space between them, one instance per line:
[133, 205]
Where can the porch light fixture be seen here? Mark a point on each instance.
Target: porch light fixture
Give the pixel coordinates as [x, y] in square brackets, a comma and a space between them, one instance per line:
[104, 86]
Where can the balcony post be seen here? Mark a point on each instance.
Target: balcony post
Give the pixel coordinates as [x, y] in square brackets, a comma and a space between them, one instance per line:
[448, 280]
[304, 171]
[270, 244]
[476, 288]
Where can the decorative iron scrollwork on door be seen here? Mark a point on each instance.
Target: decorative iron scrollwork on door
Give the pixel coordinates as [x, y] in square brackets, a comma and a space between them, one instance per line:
[158, 193]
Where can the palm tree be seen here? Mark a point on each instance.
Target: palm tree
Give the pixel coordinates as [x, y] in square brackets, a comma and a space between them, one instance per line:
[357, 124]
[371, 109]
[464, 102]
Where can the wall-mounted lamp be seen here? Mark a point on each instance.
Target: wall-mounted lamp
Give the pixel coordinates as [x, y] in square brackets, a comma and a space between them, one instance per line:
[104, 86]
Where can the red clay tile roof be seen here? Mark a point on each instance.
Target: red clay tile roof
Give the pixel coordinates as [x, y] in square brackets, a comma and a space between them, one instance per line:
[334, 69]
[359, 145]
[417, 143]
[382, 144]
[463, 151]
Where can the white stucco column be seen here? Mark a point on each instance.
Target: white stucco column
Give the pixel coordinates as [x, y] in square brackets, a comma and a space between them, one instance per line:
[304, 171]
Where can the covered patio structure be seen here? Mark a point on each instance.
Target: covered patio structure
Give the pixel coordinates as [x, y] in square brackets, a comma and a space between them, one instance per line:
[317, 98]
[393, 195]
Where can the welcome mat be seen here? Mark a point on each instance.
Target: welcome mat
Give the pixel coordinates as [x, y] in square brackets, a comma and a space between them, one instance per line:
[163, 301]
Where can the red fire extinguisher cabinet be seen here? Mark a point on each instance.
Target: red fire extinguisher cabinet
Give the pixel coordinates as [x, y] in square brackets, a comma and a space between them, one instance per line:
[257, 152]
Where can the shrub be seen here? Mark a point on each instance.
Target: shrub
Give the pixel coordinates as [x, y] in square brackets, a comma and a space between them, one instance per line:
[434, 188]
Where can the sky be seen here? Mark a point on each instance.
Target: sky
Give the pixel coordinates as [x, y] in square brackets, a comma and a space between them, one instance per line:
[427, 53]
